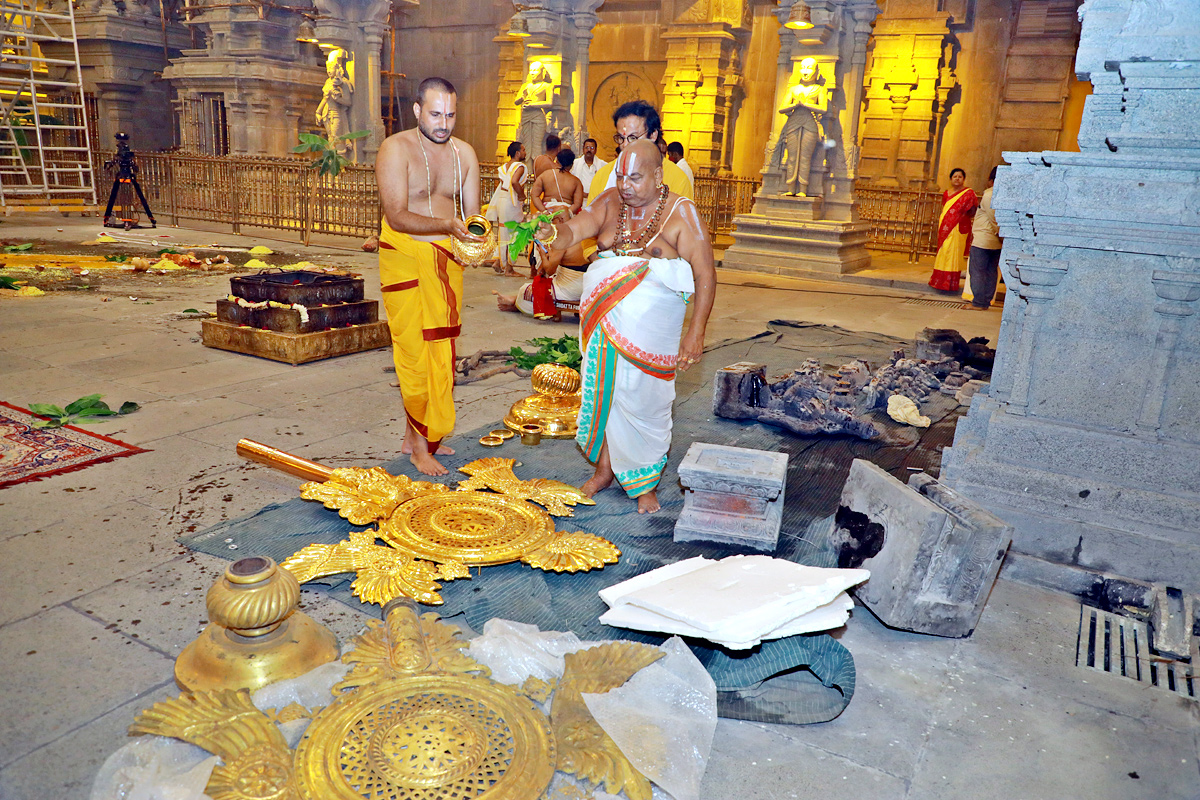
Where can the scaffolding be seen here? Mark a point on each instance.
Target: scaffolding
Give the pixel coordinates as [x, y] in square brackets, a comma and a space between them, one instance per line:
[45, 152]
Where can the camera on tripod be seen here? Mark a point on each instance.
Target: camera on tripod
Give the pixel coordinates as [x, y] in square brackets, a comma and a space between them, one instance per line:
[125, 182]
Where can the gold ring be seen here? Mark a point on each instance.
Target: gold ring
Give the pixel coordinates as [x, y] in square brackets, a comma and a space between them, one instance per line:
[503, 433]
[491, 441]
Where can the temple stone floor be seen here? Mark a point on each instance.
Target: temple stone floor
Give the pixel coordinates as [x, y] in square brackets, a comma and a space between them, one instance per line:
[97, 599]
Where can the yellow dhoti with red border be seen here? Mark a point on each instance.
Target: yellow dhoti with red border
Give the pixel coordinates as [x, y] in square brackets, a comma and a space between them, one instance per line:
[422, 294]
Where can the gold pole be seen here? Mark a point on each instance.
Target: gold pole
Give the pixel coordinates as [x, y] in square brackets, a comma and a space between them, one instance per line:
[284, 462]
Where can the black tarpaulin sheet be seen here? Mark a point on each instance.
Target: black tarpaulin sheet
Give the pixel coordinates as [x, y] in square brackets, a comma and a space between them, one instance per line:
[797, 680]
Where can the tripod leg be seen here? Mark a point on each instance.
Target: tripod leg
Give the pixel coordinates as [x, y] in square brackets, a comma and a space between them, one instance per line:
[138, 188]
[112, 198]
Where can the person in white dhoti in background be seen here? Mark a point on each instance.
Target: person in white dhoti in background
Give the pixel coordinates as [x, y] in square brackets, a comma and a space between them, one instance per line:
[508, 202]
[655, 260]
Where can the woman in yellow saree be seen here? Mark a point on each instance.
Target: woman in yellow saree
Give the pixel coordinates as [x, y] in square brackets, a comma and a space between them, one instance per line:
[954, 233]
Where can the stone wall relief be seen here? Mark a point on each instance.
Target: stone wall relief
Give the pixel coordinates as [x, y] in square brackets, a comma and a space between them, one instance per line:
[613, 90]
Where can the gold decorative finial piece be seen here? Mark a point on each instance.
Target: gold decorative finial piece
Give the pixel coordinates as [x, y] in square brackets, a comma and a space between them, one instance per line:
[255, 635]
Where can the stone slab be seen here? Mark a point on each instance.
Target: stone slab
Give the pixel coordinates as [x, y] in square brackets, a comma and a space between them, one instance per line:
[933, 554]
[295, 348]
[739, 470]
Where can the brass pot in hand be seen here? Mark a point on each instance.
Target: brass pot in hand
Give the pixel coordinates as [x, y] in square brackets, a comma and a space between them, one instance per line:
[473, 254]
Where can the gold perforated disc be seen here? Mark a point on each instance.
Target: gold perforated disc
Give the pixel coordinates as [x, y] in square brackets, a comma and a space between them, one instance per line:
[427, 737]
[472, 528]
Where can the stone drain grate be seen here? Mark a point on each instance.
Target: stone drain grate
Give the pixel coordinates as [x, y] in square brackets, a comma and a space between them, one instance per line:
[1120, 646]
[922, 301]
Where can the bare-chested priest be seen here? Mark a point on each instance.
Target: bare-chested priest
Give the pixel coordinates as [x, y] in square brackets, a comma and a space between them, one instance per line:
[428, 184]
[655, 259]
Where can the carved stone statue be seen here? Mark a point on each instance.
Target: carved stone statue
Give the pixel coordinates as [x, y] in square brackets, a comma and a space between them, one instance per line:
[802, 134]
[534, 98]
[333, 113]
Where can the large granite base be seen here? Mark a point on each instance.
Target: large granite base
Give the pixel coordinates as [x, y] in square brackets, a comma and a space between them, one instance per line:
[786, 236]
[1087, 500]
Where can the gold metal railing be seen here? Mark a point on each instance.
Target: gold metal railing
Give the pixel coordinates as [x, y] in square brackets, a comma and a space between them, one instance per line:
[275, 193]
[901, 220]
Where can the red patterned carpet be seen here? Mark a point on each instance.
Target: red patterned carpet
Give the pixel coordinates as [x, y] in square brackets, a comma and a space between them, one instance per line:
[29, 454]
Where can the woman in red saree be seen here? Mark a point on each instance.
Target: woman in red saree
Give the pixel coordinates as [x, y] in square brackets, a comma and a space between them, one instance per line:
[954, 232]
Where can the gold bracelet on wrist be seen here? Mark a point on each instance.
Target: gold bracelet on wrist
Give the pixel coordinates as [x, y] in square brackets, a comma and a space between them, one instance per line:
[553, 235]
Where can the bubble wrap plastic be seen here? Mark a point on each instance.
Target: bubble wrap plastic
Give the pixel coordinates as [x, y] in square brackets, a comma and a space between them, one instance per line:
[664, 719]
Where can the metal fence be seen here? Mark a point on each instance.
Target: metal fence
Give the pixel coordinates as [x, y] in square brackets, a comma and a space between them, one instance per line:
[901, 220]
[285, 194]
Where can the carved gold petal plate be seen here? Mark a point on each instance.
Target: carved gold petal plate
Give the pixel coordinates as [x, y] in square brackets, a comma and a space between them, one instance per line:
[427, 737]
[472, 528]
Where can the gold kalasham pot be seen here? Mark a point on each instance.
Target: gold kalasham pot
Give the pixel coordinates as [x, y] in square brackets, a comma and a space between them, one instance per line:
[554, 406]
[473, 254]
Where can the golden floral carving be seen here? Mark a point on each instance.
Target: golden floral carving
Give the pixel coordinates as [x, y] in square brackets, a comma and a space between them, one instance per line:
[573, 552]
[584, 749]
[383, 573]
[497, 474]
[364, 496]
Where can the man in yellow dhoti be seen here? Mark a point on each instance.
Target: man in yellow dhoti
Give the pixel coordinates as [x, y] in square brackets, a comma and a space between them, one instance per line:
[656, 260]
[428, 184]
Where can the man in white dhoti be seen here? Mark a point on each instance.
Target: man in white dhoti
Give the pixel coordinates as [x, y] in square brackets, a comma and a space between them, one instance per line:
[508, 203]
[656, 259]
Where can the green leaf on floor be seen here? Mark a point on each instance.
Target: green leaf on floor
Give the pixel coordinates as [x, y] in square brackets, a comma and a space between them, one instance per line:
[86, 410]
[18, 248]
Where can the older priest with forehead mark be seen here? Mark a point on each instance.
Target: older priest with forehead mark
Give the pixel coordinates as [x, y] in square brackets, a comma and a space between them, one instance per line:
[655, 259]
[428, 184]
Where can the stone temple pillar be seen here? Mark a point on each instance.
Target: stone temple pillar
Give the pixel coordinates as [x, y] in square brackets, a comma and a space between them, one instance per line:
[817, 235]
[705, 45]
[1088, 438]
[556, 34]
[357, 26]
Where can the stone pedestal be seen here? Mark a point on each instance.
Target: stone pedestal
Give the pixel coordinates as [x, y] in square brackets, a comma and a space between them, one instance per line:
[1088, 439]
[733, 496]
[818, 235]
[787, 236]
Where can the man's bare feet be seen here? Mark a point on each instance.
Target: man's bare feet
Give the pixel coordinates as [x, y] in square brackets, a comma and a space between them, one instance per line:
[504, 302]
[371, 245]
[648, 503]
[427, 464]
[511, 273]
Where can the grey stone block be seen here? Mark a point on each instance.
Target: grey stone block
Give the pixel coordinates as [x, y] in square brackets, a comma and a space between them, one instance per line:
[733, 496]
[1171, 620]
[932, 553]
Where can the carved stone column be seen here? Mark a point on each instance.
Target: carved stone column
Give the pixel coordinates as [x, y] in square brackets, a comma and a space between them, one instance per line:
[357, 26]
[909, 86]
[556, 34]
[704, 53]
[1177, 292]
[1088, 440]
[816, 235]
[122, 51]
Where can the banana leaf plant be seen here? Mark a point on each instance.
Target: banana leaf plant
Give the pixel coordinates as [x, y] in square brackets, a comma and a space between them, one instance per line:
[326, 160]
